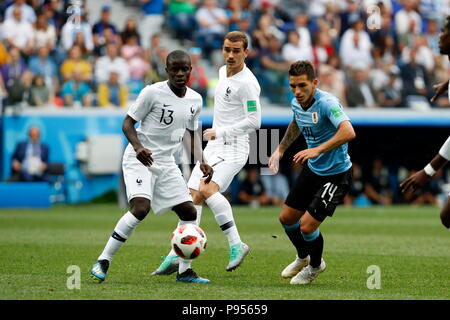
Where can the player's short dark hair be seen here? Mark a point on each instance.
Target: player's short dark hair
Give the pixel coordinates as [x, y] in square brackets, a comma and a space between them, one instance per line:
[236, 36]
[446, 26]
[302, 67]
[177, 55]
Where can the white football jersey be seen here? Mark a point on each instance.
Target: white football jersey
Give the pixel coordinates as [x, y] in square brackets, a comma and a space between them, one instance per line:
[237, 109]
[164, 118]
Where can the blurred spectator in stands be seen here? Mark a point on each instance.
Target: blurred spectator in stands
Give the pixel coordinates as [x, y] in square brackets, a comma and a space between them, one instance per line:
[330, 22]
[384, 53]
[322, 48]
[301, 25]
[198, 80]
[44, 33]
[108, 38]
[43, 65]
[56, 17]
[30, 158]
[330, 81]
[12, 72]
[40, 94]
[281, 18]
[4, 56]
[252, 190]
[390, 94]
[130, 48]
[103, 24]
[212, 24]
[152, 20]
[415, 77]
[424, 55]
[294, 50]
[181, 18]
[360, 91]
[294, 7]
[19, 33]
[237, 10]
[376, 187]
[277, 188]
[111, 62]
[350, 14]
[355, 195]
[71, 29]
[408, 23]
[26, 12]
[356, 46]
[76, 63]
[130, 30]
[265, 29]
[440, 75]
[273, 77]
[432, 35]
[20, 91]
[158, 72]
[112, 93]
[76, 92]
[139, 69]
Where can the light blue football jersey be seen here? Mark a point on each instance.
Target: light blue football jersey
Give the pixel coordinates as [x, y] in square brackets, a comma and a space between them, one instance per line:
[319, 124]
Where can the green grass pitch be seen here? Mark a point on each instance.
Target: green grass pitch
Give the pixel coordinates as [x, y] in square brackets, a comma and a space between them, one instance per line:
[408, 244]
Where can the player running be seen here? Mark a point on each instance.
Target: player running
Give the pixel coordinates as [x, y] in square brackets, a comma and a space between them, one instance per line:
[165, 110]
[326, 177]
[422, 177]
[237, 112]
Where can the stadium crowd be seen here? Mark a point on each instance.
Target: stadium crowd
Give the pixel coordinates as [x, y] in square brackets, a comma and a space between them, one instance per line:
[51, 53]
[383, 56]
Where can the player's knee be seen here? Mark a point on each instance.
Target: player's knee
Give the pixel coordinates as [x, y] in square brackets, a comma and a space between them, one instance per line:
[306, 228]
[140, 207]
[197, 197]
[186, 211]
[286, 219]
[445, 218]
[207, 190]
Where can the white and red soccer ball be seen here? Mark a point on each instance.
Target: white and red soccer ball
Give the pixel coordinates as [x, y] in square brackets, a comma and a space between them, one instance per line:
[188, 241]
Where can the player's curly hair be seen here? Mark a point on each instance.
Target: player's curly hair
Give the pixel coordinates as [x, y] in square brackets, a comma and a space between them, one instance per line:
[447, 24]
[303, 67]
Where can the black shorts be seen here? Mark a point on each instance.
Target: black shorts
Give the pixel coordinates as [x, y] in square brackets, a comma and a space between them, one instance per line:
[319, 195]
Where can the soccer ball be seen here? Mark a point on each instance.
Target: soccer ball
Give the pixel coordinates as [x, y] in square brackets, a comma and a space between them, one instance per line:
[188, 241]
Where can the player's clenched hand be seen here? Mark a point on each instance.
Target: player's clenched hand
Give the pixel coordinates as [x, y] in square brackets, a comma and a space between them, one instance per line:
[440, 90]
[207, 172]
[209, 134]
[274, 161]
[144, 156]
[302, 156]
[417, 180]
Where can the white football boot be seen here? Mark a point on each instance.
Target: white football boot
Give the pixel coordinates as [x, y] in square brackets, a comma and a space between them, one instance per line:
[308, 274]
[295, 267]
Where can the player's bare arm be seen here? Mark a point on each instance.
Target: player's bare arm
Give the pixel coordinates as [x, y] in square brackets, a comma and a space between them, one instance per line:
[142, 154]
[197, 151]
[292, 133]
[344, 134]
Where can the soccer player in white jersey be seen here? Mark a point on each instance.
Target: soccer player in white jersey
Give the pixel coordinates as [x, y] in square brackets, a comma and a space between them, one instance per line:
[165, 110]
[422, 177]
[237, 112]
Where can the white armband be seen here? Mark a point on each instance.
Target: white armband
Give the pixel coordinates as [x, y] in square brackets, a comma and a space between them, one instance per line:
[445, 149]
[429, 170]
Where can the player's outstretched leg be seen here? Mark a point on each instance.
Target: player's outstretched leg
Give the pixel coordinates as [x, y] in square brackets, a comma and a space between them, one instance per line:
[123, 230]
[223, 214]
[171, 261]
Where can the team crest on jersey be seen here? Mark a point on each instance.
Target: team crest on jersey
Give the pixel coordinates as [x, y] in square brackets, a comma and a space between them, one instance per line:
[139, 181]
[315, 117]
[192, 109]
[227, 95]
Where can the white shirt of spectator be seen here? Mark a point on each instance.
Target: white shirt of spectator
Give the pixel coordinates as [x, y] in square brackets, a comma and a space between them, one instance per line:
[69, 32]
[293, 53]
[164, 118]
[45, 38]
[232, 120]
[349, 53]
[305, 36]
[105, 65]
[211, 16]
[403, 20]
[20, 33]
[28, 13]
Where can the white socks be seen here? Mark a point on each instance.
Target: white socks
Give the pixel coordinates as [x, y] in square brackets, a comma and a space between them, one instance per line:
[224, 217]
[122, 231]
